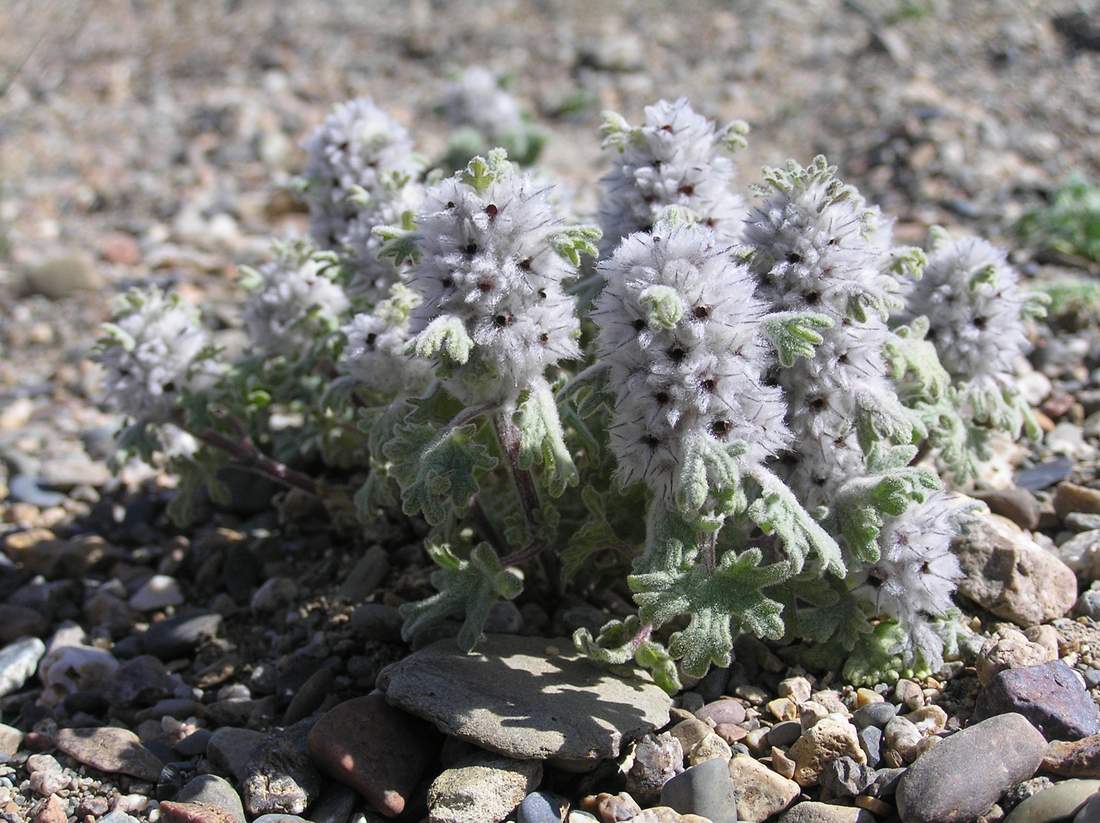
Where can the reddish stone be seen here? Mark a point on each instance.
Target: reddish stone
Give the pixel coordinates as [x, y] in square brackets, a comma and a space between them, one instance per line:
[194, 813]
[52, 811]
[378, 750]
[726, 710]
[120, 248]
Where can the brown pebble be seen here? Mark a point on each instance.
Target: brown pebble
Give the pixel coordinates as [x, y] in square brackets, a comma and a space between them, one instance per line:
[52, 811]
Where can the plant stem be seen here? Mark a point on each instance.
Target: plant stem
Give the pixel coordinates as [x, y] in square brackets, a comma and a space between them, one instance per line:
[485, 526]
[509, 437]
[245, 453]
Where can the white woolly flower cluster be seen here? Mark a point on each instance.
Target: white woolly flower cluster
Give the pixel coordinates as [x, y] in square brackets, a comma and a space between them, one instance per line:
[360, 173]
[816, 246]
[376, 355]
[915, 577]
[675, 158]
[150, 352]
[476, 99]
[974, 305]
[680, 331]
[292, 300]
[490, 281]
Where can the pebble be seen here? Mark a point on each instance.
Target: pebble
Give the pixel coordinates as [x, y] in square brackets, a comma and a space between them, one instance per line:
[18, 622]
[722, 711]
[870, 740]
[367, 575]
[53, 811]
[784, 734]
[760, 791]
[541, 807]
[1071, 497]
[1082, 553]
[963, 776]
[11, 739]
[374, 621]
[66, 670]
[18, 662]
[1010, 575]
[375, 749]
[657, 759]
[335, 804]
[111, 750]
[844, 777]
[1090, 812]
[1045, 474]
[1050, 695]
[1059, 802]
[1082, 522]
[158, 592]
[1074, 758]
[1018, 505]
[575, 712]
[797, 689]
[280, 776]
[230, 750]
[610, 808]
[706, 790]
[483, 789]
[142, 681]
[874, 714]
[179, 636]
[813, 812]
[211, 790]
[1010, 649]
[274, 595]
[829, 739]
[46, 775]
[64, 275]
[172, 811]
[310, 695]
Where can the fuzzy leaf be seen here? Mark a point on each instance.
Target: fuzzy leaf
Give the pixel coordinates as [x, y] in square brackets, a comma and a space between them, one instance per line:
[716, 602]
[621, 641]
[542, 440]
[481, 173]
[445, 334]
[466, 589]
[915, 364]
[876, 659]
[574, 241]
[776, 511]
[709, 470]
[401, 243]
[436, 473]
[794, 335]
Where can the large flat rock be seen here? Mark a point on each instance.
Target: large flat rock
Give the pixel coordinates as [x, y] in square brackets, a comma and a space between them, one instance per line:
[527, 697]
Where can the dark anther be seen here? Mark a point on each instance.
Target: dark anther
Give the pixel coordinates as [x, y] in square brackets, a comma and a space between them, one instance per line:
[677, 354]
[525, 264]
[687, 189]
[638, 325]
[491, 210]
[721, 428]
[794, 257]
[701, 312]
[471, 248]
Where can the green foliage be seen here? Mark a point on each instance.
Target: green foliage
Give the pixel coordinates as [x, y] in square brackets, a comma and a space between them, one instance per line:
[776, 511]
[1070, 224]
[1074, 301]
[622, 641]
[542, 441]
[877, 659]
[793, 334]
[466, 589]
[574, 241]
[444, 335]
[400, 243]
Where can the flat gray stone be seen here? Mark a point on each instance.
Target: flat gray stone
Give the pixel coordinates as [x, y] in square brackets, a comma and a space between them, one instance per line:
[18, 661]
[706, 790]
[963, 776]
[1049, 695]
[528, 698]
[481, 789]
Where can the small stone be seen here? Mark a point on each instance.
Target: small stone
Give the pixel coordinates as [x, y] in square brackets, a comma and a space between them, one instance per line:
[375, 749]
[483, 789]
[1076, 758]
[18, 662]
[875, 806]
[1082, 553]
[844, 777]
[1060, 802]
[111, 750]
[782, 764]
[310, 695]
[1090, 812]
[928, 719]
[230, 750]
[1049, 695]
[760, 791]
[811, 713]
[784, 734]
[783, 708]
[690, 733]
[1018, 505]
[18, 622]
[610, 808]
[963, 776]
[175, 812]
[829, 739]
[870, 740]
[274, 595]
[11, 739]
[813, 812]
[874, 714]
[64, 276]
[1009, 650]
[142, 681]
[1010, 575]
[578, 816]
[575, 713]
[374, 621]
[68, 669]
[722, 711]
[706, 790]
[541, 807]
[280, 776]
[211, 790]
[158, 592]
[867, 697]
[1071, 497]
[180, 636]
[657, 759]
[53, 811]
[1088, 604]
[909, 693]
[711, 747]
[754, 694]
[367, 575]
[46, 775]
[886, 782]
[797, 689]
[903, 737]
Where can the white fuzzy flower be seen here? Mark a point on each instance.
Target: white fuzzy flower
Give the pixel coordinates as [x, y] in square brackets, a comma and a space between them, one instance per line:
[376, 353]
[358, 148]
[476, 99]
[490, 281]
[369, 275]
[150, 352]
[676, 158]
[681, 333]
[974, 305]
[294, 301]
[917, 573]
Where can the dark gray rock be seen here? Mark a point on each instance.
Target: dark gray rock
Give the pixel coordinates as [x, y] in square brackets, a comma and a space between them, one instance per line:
[194, 744]
[141, 681]
[213, 791]
[1049, 695]
[572, 710]
[886, 782]
[367, 575]
[335, 805]
[706, 790]
[310, 696]
[874, 714]
[1044, 475]
[230, 750]
[870, 740]
[540, 807]
[374, 621]
[784, 734]
[280, 776]
[180, 636]
[1090, 812]
[963, 776]
[844, 777]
